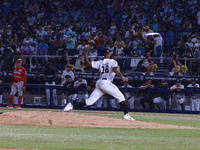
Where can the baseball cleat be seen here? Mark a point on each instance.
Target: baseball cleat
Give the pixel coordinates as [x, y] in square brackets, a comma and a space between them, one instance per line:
[68, 107]
[128, 117]
[9, 106]
[18, 107]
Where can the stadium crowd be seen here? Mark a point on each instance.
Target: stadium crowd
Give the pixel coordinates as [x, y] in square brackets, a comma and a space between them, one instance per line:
[54, 27]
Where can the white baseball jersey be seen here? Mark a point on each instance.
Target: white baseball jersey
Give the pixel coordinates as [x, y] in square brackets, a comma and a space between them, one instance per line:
[104, 84]
[105, 68]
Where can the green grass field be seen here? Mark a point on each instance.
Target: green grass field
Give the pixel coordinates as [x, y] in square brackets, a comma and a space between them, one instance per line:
[73, 138]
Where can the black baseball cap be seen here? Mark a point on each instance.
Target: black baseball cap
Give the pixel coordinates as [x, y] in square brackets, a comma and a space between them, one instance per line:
[193, 79]
[178, 81]
[68, 65]
[106, 51]
[163, 80]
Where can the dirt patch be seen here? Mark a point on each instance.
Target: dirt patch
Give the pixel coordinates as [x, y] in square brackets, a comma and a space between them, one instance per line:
[74, 119]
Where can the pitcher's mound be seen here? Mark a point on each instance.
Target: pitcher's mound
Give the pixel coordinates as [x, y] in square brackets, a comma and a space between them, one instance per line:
[73, 119]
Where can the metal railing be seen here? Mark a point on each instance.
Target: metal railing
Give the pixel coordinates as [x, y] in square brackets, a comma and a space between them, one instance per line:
[125, 63]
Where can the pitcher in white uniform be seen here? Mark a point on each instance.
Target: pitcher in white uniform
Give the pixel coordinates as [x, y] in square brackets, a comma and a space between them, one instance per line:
[108, 68]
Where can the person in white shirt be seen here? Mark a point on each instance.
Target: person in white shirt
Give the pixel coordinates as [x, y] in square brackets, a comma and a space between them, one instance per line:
[108, 68]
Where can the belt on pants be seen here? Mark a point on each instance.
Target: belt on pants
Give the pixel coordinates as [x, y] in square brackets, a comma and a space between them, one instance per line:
[193, 97]
[17, 81]
[104, 78]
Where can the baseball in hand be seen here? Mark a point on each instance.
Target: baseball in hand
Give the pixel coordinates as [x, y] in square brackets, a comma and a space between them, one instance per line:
[126, 79]
[87, 46]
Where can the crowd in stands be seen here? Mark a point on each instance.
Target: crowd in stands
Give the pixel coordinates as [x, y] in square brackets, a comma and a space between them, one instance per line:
[63, 28]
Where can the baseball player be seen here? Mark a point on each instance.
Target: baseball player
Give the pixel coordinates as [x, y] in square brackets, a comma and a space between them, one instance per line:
[129, 95]
[81, 87]
[194, 97]
[179, 95]
[18, 83]
[163, 96]
[108, 68]
[50, 77]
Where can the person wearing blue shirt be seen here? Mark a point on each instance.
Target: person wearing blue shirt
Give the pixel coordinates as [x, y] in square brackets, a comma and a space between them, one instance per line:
[42, 49]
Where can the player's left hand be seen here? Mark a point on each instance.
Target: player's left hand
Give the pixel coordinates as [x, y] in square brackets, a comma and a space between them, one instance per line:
[125, 79]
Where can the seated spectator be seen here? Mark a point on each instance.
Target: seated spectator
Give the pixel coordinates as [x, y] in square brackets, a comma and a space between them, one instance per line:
[119, 50]
[129, 33]
[189, 43]
[26, 50]
[196, 52]
[111, 47]
[147, 65]
[140, 50]
[27, 39]
[79, 64]
[116, 43]
[92, 49]
[175, 65]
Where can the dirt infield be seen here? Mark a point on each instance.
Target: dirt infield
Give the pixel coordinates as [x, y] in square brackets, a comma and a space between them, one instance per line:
[74, 119]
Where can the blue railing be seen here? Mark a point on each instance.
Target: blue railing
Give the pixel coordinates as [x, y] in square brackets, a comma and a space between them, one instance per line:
[137, 90]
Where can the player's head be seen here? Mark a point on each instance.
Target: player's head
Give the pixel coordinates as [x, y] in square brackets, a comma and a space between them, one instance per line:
[107, 52]
[193, 81]
[19, 62]
[94, 79]
[68, 78]
[163, 81]
[178, 82]
[80, 78]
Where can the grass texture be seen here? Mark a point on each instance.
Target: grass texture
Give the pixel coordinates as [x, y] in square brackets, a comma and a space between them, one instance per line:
[74, 138]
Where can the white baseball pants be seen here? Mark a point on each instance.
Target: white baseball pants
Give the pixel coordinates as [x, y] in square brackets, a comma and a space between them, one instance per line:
[103, 87]
[195, 104]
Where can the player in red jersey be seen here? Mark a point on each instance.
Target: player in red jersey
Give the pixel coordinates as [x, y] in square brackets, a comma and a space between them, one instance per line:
[18, 83]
